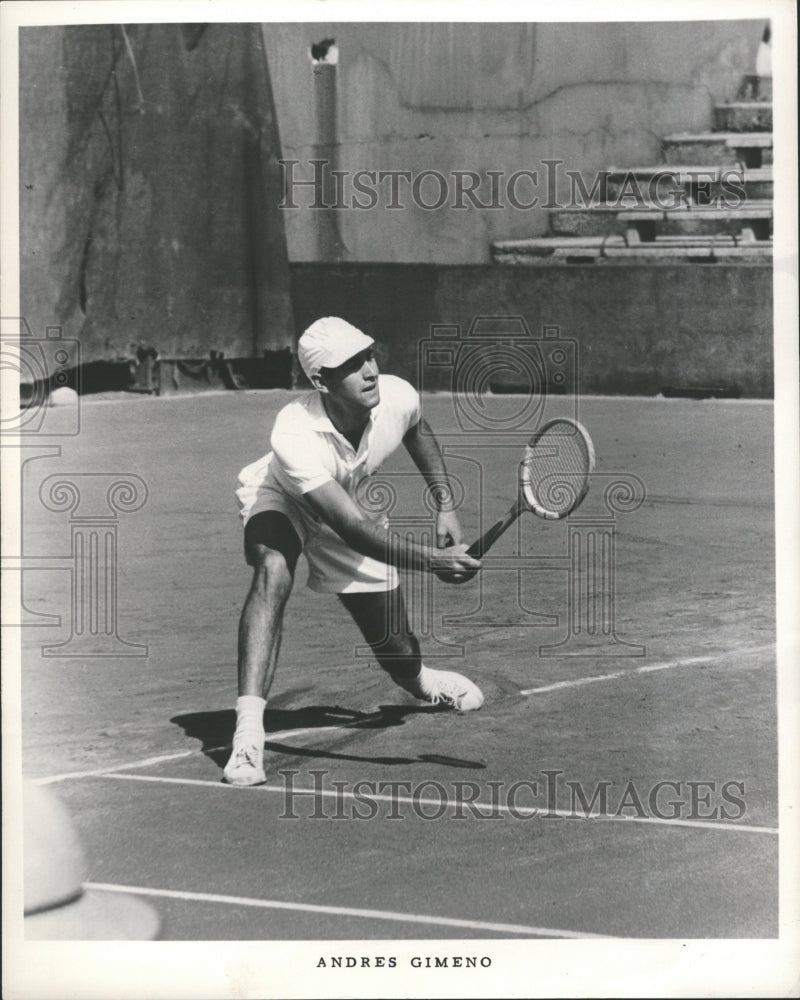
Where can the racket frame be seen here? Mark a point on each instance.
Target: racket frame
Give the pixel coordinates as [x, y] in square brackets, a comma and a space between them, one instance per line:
[526, 493]
[526, 499]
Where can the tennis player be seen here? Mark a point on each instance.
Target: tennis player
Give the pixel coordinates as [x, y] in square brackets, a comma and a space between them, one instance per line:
[303, 497]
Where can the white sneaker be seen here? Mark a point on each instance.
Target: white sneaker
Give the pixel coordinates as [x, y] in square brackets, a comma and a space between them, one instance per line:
[246, 765]
[448, 688]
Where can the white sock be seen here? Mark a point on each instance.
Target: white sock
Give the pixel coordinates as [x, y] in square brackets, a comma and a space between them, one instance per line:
[250, 717]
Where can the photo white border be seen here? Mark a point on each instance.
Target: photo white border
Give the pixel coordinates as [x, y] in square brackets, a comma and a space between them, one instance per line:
[521, 968]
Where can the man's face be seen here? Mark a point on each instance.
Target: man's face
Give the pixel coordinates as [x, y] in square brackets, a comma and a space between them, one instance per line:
[355, 381]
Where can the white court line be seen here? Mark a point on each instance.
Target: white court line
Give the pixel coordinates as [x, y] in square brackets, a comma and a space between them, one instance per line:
[418, 801]
[290, 733]
[580, 681]
[342, 911]
[646, 669]
[53, 778]
[149, 761]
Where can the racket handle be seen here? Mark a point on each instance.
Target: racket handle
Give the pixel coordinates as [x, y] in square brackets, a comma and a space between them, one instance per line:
[488, 538]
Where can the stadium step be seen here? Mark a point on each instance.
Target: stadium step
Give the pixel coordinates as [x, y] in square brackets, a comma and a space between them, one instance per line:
[543, 246]
[616, 250]
[750, 149]
[613, 218]
[753, 251]
[650, 224]
[743, 116]
[601, 219]
[709, 201]
[702, 184]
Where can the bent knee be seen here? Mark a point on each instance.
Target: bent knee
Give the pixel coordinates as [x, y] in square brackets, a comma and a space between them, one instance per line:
[270, 570]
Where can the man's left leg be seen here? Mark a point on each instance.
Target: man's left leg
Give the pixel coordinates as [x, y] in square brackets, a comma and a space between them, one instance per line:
[381, 616]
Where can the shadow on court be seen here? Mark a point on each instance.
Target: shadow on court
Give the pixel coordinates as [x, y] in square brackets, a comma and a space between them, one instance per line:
[215, 731]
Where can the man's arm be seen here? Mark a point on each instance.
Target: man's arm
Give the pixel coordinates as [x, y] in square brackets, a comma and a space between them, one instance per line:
[424, 449]
[332, 503]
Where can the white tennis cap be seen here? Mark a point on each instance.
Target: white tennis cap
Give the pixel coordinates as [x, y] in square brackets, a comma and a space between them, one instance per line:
[328, 343]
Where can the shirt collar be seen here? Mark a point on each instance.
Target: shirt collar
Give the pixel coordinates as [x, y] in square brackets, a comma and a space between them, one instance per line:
[320, 421]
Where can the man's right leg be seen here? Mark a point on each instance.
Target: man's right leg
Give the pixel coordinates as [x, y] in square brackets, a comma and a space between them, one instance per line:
[271, 548]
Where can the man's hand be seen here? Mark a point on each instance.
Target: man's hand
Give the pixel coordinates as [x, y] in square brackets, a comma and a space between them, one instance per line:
[453, 565]
[448, 539]
[448, 530]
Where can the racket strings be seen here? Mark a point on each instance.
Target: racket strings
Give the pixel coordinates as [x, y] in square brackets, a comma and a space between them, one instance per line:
[556, 468]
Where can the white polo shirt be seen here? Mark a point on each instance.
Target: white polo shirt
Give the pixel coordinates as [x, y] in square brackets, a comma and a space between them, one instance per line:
[308, 451]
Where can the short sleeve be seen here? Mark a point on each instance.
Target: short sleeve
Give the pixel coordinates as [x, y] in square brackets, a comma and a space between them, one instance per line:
[303, 460]
[407, 402]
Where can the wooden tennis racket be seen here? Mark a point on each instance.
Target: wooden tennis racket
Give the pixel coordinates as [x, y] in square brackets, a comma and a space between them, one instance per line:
[553, 477]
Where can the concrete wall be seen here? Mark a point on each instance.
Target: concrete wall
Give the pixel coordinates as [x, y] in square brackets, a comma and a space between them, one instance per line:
[489, 97]
[638, 328]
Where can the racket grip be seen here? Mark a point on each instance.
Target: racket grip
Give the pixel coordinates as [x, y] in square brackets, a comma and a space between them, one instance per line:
[487, 540]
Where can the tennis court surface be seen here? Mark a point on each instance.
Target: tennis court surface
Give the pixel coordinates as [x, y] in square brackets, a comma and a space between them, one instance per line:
[654, 705]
